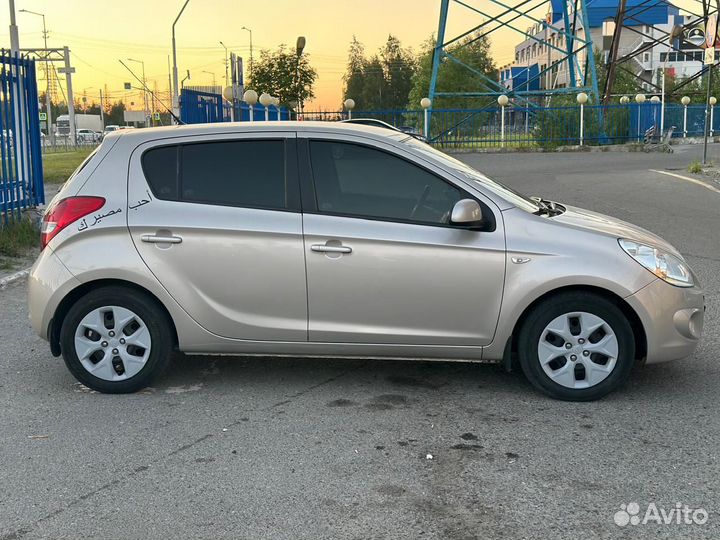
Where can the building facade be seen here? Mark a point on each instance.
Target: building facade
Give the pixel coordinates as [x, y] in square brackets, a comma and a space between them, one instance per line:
[539, 65]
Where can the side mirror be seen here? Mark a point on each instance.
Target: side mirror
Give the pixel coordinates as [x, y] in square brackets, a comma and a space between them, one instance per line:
[467, 212]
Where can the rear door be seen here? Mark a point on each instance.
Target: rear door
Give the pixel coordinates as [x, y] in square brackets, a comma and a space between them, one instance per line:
[217, 221]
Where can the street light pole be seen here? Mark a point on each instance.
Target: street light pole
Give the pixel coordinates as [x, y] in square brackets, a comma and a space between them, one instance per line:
[14, 39]
[213, 76]
[176, 99]
[227, 81]
[251, 51]
[48, 105]
[299, 47]
[145, 99]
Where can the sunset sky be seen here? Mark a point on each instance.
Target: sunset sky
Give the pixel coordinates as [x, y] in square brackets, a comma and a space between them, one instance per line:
[101, 32]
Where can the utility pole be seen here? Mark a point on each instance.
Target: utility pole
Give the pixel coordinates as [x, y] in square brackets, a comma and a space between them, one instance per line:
[102, 110]
[48, 106]
[68, 71]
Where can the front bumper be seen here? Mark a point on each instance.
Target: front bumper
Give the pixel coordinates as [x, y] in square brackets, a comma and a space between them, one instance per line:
[672, 318]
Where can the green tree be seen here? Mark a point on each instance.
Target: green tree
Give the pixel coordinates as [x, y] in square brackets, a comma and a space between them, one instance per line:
[285, 75]
[383, 81]
[114, 114]
[373, 90]
[473, 50]
[398, 69]
[354, 75]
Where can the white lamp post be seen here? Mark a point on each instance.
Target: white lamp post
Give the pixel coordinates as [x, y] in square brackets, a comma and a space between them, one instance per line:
[426, 103]
[349, 105]
[265, 101]
[229, 95]
[624, 100]
[251, 98]
[639, 99]
[685, 101]
[582, 99]
[655, 100]
[502, 101]
[713, 101]
[276, 102]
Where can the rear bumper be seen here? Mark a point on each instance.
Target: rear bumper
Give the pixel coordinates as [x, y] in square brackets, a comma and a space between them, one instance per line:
[48, 283]
[672, 317]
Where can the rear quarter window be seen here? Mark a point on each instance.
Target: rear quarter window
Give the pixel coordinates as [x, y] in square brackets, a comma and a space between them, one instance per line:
[160, 168]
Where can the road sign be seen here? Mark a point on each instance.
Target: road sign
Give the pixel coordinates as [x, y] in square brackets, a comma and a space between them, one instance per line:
[709, 59]
[128, 86]
[157, 116]
[43, 116]
[711, 31]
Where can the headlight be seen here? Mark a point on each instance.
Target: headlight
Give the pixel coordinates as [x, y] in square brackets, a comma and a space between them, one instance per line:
[664, 265]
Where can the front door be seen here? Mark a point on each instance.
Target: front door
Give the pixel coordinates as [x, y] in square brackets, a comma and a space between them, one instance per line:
[218, 223]
[384, 263]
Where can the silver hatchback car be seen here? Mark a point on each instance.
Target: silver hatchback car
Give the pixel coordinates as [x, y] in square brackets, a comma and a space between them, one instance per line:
[337, 240]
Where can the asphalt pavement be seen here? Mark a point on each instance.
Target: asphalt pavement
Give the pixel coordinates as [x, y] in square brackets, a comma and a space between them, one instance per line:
[288, 448]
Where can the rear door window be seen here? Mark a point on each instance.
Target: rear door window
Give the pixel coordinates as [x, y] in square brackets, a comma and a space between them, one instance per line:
[244, 173]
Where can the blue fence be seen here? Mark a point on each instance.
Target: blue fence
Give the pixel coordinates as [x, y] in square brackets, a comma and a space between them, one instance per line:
[198, 107]
[21, 175]
[540, 126]
[513, 126]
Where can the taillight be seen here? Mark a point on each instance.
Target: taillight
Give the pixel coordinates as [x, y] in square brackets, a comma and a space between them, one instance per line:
[64, 212]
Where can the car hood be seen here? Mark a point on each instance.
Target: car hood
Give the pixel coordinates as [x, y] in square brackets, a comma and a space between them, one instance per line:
[596, 222]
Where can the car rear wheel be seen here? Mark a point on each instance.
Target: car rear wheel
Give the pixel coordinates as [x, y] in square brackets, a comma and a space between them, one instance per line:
[576, 347]
[115, 340]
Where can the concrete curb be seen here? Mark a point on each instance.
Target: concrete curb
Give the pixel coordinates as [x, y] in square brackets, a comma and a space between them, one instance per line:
[12, 278]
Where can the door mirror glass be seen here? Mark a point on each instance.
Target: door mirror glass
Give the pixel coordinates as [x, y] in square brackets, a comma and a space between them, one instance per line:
[466, 212]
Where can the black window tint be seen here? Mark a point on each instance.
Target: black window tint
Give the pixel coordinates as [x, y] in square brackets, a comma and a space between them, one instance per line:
[360, 181]
[237, 173]
[160, 168]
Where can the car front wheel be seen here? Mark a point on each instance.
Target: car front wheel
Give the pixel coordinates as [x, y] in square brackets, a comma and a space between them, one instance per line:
[115, 340]
[576, 346]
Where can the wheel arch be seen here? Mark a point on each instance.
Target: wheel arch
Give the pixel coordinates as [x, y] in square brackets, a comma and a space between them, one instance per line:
[633, 318]
[78, 292]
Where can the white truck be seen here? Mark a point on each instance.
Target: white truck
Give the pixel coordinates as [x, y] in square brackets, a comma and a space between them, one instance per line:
[91, 122]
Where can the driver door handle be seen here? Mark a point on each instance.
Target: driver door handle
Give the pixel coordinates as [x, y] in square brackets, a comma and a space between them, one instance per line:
[322, 248]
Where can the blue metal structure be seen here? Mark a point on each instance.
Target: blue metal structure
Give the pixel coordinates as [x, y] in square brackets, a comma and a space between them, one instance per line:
[21, 174]
[199, 107]
[567, 19]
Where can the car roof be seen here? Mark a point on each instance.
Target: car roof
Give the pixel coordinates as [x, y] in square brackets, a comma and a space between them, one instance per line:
[166, 132]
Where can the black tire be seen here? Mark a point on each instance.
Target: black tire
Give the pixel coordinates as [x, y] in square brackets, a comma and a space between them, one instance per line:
[144, 307]
[542, 314]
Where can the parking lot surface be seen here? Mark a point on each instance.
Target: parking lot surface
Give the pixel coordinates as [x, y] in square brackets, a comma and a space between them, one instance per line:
[288, 448]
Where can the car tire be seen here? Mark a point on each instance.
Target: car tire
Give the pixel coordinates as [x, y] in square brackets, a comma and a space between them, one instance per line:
[116, 340]
[591, 339]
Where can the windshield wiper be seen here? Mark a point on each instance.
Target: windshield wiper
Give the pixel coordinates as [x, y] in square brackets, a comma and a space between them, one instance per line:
[547, 207]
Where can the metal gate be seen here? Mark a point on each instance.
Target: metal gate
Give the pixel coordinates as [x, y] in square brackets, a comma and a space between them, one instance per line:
[200, 107]
[21, 175]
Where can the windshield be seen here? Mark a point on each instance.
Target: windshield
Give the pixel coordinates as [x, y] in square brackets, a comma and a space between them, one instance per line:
[468, 173]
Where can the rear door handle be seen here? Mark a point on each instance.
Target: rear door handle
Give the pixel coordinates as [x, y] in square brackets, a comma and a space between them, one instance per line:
[322, 248]
[153, 239]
